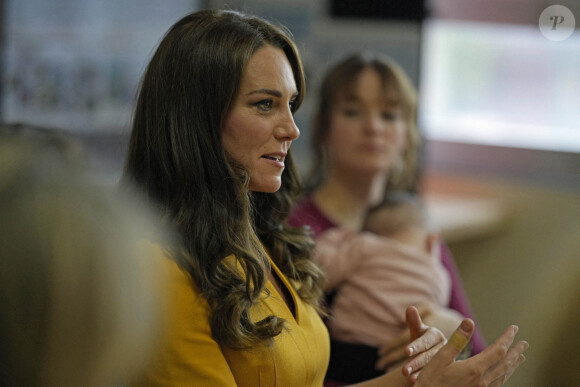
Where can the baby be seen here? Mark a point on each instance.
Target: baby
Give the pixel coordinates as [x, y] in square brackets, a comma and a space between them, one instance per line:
[400, 217]
[390, 265]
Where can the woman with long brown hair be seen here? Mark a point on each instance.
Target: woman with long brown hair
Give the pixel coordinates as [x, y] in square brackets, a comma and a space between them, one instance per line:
[210, 147]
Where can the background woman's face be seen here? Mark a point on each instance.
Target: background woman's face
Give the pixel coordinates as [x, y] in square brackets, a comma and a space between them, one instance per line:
[259, 127]
[367, 131]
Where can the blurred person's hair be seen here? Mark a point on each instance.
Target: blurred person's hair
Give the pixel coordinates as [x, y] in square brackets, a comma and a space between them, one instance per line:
[340, 80]
[397, 211]
[80, 293]
[58, 140]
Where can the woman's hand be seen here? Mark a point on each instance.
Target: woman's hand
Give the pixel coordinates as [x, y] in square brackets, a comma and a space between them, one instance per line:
[394, 353]
[492, 367]
[425, 342]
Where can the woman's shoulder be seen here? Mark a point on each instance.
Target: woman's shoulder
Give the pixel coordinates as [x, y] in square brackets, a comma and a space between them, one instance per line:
[307, 213]
[178, 282]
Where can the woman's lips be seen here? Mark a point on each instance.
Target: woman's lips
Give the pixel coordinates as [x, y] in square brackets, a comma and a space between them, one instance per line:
[276, 159]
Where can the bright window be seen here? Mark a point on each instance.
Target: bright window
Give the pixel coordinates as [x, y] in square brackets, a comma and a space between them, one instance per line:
[504, 85]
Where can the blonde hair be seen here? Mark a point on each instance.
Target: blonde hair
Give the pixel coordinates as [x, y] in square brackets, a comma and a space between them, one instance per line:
[79, 294]
[341, 78]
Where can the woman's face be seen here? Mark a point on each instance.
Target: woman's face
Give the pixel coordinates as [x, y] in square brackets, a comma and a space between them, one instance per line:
[367, 133]
[259, 127]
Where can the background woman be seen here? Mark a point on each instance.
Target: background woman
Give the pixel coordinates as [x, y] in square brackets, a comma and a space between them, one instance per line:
[366, 144]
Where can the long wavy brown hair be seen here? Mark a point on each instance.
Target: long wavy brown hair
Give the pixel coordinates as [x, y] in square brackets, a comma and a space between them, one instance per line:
[176, 156]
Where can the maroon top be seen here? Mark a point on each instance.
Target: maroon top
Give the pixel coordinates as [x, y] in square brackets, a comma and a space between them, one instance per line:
[307, 213]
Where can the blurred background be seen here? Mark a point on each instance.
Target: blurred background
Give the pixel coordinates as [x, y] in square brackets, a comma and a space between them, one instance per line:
[499, 111]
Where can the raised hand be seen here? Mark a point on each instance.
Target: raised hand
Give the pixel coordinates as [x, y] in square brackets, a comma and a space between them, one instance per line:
[492, 367]
[426, 341]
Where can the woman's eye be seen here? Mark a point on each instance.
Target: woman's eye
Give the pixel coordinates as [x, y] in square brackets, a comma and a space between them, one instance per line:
[351, 112]
[265, 105]
[390, 116]
[292, 105]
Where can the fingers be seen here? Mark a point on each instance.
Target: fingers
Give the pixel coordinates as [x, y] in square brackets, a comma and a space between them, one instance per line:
[426, 342]
[414, 323]
[501, 371]
[492, 367]
[431, 338]
[413, 378]
[458, 340]
[449, 352]
[498, 350]
[395, 350]
[520, 359]
[498, 361]
[422, 359]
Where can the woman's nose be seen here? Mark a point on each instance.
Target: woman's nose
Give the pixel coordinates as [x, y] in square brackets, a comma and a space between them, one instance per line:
[374, 123]
[287, 129]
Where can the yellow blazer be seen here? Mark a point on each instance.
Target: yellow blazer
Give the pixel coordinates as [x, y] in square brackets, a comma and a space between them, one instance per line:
[190, 357]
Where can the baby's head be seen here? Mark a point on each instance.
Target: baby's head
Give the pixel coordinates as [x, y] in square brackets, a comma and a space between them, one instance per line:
[400, 216]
